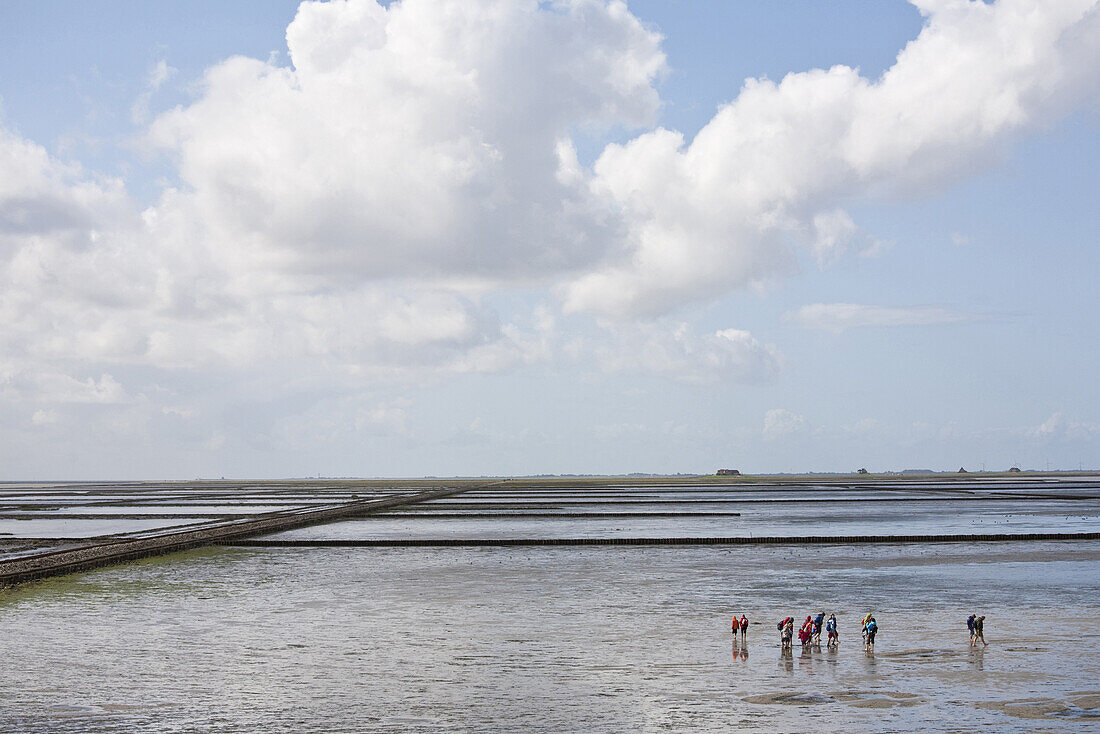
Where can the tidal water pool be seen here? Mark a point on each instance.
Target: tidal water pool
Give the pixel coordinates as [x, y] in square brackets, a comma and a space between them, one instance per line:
[557, 639]
[782, 519]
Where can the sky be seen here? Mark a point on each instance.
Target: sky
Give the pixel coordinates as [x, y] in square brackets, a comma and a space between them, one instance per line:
[477, 237]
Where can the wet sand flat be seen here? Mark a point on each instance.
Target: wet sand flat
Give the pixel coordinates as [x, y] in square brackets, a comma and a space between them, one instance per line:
[556, 639]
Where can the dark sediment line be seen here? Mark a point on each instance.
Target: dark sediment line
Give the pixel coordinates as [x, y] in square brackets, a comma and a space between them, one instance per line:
[474, 515]
[760, 540]
[520, 504]
[127, 516]
[133, 546]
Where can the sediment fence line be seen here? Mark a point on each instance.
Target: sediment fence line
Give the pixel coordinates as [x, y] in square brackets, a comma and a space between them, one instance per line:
[432, 514]
[134, 546]
[758, 540]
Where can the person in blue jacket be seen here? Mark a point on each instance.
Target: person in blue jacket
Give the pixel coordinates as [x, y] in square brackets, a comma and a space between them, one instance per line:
[870, 630]
[819, 620]
[830, 627]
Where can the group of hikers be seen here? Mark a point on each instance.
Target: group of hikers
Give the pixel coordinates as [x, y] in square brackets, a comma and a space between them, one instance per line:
[810, 631]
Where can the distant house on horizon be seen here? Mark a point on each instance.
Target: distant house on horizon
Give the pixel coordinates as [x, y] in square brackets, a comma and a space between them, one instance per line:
[728, 473]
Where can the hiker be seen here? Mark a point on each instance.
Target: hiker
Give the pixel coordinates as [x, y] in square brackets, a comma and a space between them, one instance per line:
[979, 631]
[830, 627]
[970, 627]
[818, 621]
[786, 632]
[806, 631]
[744, 628]
[735, 625]
[866, 618]
[869, 631]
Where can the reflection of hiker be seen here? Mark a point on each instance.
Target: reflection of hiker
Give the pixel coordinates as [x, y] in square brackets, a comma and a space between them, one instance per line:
[830, 627]
[979, 631]
[869, 631]
[806, 631]
[818, 621]
[970, 627]
[744, 627]
[786, 632]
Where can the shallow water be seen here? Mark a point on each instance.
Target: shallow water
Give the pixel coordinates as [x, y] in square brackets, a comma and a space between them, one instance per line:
[234, 509]
[553, 639]
[894, 517]
[72, 528]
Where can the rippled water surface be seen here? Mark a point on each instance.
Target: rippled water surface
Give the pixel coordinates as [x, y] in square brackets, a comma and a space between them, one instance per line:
[556, 639]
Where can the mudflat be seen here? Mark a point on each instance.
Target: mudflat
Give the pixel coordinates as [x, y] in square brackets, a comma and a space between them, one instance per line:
[552, 639]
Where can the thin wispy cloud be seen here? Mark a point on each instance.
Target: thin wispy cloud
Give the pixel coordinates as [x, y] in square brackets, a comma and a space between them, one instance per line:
[158, 75]
[780, 422]
[843, 316]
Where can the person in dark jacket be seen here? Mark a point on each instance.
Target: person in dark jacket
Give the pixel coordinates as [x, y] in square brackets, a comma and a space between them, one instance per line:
[979, 631]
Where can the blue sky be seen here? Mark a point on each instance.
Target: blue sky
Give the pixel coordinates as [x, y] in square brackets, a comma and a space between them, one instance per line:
[377, 258]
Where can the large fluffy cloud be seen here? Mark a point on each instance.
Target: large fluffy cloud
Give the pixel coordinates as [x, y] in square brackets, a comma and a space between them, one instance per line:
[773, 166]
[432, 141]
[419, 139]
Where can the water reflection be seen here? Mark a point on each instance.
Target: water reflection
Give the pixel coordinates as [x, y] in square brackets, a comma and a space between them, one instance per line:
[805, 658]
[977, 658]
[786, 660]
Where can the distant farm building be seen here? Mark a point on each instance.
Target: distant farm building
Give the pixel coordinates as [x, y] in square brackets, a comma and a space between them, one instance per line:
[728, 473]
[1014, 470]
[962, 470]
[862, 471]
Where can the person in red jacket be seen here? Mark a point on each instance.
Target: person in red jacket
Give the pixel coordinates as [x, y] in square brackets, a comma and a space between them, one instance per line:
[744, 627]
[806, 631]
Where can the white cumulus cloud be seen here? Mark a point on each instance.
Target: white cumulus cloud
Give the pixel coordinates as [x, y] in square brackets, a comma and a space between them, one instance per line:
[419, 139]
[774, 167]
